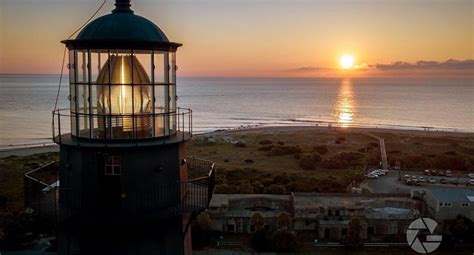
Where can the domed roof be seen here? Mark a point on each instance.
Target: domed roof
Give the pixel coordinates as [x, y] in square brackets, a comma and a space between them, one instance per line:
[122, 26]
[121, 29]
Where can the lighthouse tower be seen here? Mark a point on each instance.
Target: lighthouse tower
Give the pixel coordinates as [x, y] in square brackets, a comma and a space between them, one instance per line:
[126, 185]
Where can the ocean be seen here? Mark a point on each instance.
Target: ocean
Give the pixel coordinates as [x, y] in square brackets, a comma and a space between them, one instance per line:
[26, 102]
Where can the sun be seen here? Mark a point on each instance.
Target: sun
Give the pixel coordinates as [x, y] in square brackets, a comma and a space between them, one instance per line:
[346, 61]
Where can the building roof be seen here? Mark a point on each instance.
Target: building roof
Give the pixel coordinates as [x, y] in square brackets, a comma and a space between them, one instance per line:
[316, 200]
[219, 200]
[452, 195]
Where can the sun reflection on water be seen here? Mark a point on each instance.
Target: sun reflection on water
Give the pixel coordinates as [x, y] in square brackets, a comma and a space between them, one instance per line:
[345, 104]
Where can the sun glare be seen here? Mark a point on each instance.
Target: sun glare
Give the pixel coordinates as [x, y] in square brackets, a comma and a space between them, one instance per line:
[347, 61]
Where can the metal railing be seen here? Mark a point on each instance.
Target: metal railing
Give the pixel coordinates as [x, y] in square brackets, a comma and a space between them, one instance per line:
[51, 201]
[122, 127]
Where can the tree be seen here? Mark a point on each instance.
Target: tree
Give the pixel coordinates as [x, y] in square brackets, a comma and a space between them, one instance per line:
[358, 175]
[284, 220]
[353, 239]
[201, 231]
[257, 221]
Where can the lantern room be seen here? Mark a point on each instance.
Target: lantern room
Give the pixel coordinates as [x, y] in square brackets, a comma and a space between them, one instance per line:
[122, 71]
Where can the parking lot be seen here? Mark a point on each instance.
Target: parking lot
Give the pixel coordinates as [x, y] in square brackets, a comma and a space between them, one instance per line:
[390, 183]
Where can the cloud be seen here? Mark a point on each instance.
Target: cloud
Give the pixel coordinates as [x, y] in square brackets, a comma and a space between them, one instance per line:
[308, 69]
[450, 64]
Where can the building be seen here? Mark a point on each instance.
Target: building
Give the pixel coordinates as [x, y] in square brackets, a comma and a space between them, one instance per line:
[446, 204]
[325, 215]
[126, 185]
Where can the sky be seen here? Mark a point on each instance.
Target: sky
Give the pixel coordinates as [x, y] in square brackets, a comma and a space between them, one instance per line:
[263, 37]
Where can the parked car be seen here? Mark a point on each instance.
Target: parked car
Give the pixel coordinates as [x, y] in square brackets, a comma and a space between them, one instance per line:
[417, 183]
[441, 173]
[471, 175]
[448, 173]
[443, 181]
[454, 181]
[407, 176]
[434, 173]
[421, 179]
[372, 176]
[427, 172]
[377, 172]
[409, 182]
[471, 182]
[432, 180]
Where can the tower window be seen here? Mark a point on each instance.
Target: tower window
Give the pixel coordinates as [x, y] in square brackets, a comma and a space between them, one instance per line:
[113, 165]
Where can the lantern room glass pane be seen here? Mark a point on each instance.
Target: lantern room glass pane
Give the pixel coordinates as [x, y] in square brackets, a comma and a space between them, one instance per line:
[144, 126]
[172, 105]
[72, 97]
[84, 125]
[143, 99]
[100, 99]
[120, 99]
[173, 67]
[122, 127]
[160, 60]
[81, 66]
[73, 124]
[71, 66]
[119, 68]
[82, 98]
[161, 98]
[97, 62]
[142, 67]
[159, 125]
[99, 124]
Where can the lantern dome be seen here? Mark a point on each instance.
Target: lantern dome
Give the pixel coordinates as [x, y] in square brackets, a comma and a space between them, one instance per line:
[122, 29]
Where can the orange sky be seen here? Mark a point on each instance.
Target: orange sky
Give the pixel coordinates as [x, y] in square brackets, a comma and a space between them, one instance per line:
[260, 37]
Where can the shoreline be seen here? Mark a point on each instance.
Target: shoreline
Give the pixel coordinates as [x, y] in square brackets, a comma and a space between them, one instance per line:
[32, 149]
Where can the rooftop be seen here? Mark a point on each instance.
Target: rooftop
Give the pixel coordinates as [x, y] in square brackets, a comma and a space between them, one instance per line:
[453, 195]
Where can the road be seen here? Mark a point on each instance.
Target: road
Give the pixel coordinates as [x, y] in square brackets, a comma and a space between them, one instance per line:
[383, 152]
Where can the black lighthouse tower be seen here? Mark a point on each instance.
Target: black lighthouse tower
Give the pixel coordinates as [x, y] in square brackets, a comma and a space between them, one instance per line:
[125, 183]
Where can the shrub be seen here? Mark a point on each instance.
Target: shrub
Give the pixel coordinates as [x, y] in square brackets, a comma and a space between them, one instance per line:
[373, 144]
[240, 145]
[250, 161]
[281, 179]
[258, 187]
[265, 148]
[340, 140]
[274, 189]
[281, 150]
[343, 160]
[308, 162]
[265, 142]
[246, 188]
[225, 189]
[321, 149]
[281, 143]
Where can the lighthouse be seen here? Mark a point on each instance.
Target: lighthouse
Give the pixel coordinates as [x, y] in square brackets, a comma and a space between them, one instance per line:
[126, 185]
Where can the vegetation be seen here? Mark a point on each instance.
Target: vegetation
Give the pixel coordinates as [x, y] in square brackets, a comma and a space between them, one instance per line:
[284, 220]
[201, 231]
